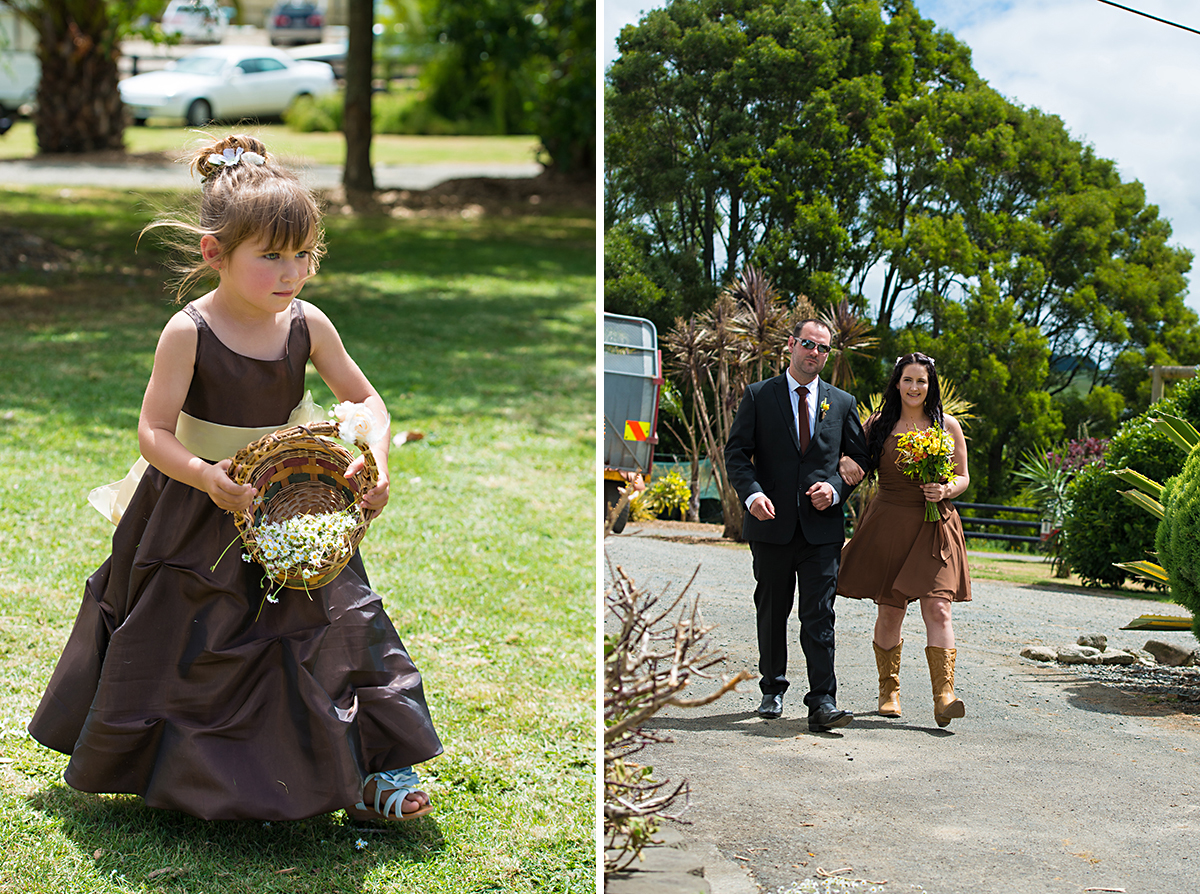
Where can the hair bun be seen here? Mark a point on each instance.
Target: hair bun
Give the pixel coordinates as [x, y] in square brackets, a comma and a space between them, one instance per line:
[227, 153]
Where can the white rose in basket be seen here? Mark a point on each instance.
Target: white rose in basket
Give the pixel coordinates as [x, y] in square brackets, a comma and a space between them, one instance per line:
[357, 422]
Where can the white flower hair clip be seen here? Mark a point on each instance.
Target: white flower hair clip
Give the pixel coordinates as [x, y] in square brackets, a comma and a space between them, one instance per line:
[234, 156]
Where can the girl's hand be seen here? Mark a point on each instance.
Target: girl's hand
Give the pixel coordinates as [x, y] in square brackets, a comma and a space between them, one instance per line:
[376, 498]
[225, 492]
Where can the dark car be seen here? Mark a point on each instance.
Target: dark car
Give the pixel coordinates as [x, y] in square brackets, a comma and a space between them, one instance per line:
[295, 23]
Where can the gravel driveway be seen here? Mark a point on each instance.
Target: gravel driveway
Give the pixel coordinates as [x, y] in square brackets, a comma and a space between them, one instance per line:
[1054, 782]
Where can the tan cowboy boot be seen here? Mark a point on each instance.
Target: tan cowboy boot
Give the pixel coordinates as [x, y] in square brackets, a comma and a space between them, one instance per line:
[888, 662]
[941, 671]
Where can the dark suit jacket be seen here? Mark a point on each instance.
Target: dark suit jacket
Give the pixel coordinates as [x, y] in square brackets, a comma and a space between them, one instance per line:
[763, 454]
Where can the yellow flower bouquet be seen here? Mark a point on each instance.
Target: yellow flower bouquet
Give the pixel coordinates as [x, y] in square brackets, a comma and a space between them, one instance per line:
[927, 456]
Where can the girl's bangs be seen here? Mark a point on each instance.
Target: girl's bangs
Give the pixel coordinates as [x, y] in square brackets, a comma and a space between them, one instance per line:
[286, 221]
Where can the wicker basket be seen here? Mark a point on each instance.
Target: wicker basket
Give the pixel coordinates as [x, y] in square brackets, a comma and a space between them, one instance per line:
[301, 471]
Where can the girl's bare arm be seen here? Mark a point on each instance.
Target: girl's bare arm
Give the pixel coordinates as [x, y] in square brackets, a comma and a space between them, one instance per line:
[348, 383]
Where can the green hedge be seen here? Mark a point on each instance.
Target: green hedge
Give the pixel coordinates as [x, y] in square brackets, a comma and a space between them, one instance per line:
[1104, 527]
[1178, 539]
[402, 112]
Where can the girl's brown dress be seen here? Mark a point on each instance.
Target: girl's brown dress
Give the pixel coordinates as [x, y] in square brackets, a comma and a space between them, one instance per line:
[169, 688]
[895, 556]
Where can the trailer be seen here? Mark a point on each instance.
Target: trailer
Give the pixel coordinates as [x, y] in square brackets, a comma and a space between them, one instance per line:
[632, 379]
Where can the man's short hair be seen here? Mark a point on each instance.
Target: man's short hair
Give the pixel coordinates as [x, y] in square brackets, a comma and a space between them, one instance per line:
[796, 329]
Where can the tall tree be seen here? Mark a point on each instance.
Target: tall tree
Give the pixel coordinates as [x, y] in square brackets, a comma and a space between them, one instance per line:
[848, 150]
[358, 175]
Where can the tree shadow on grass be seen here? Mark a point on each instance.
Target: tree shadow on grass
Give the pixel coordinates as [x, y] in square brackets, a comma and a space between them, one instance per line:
[173, 851]
[447, 352]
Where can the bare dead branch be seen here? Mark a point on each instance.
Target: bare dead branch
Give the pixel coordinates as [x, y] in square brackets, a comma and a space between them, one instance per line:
[654, 649]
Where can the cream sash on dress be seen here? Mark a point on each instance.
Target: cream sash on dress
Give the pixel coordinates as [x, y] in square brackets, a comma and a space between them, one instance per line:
[207, 440]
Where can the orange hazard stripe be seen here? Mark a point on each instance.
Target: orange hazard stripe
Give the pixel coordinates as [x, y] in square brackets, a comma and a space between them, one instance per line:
[636, 431]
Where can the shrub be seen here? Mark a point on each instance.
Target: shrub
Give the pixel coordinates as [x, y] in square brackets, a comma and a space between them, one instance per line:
[310, 114]
[398, 112]
[1178, 540]
[1104, 527]
[666, 495]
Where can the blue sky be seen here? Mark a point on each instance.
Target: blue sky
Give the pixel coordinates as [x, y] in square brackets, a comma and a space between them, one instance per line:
[1125, 84]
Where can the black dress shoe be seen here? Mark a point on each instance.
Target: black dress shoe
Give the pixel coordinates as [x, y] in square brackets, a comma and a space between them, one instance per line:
[772, 706]
[827, 717]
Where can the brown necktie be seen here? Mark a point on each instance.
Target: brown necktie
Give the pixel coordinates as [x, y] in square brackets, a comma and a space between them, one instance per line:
[802, 417]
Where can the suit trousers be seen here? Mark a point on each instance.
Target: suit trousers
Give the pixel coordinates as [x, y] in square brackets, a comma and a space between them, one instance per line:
[779, 570]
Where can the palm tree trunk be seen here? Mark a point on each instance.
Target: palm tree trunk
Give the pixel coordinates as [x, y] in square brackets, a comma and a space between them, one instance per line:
[79, 106]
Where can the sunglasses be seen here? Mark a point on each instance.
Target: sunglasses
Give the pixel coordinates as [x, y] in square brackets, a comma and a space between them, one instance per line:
[808, 344]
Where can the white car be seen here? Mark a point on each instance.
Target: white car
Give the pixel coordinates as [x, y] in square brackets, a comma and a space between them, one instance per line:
[226, 82]
[198, 21]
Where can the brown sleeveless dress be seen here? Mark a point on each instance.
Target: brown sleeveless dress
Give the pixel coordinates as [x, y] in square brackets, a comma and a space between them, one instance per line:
[169, 688]
[895, 556]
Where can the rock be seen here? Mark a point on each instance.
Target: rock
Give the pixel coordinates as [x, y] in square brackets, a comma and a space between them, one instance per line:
[1093, 641]
[1039, 653]
[1170, 654]
[1143, 657]
[1079, 655]
[1116, 656]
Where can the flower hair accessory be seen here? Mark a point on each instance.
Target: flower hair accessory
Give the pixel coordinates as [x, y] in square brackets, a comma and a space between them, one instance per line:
[234, 156]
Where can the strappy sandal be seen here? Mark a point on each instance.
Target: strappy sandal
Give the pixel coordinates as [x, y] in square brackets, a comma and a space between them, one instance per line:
[400, 784]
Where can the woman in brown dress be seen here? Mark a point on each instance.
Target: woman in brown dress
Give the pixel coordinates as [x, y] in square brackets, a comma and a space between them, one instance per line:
[896, 557]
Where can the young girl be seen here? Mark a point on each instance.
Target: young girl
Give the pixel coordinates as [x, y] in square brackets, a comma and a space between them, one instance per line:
[173, 685]
[895, 556]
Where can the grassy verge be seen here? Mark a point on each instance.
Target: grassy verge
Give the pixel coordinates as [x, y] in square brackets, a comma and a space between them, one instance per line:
[314, 148]
[478, 334]
[1040, 574]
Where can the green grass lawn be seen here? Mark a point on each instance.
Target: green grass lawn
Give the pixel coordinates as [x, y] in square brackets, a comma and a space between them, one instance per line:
[997, 566]
[479, 334]
[312, 148]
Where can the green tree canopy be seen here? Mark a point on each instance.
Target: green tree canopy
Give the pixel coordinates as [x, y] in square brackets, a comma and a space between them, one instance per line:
[519, 66]
[849, 150]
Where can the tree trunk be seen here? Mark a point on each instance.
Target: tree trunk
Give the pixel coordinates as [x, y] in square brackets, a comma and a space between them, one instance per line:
[693, 508]
[79, 106]
[360, 53]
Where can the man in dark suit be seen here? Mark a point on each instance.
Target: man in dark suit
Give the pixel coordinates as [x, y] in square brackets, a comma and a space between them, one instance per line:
[782, 456]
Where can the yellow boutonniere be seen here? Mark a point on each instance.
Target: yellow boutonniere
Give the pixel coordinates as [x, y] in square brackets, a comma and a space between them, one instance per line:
[824, 408]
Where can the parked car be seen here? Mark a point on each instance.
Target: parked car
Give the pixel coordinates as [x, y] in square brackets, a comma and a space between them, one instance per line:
[332, 54]
[197, 21]
[20, 70]
[295, 23]
[225, 82]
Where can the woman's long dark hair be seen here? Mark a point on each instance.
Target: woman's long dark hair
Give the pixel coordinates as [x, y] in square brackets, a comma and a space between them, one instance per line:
[884, 420]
